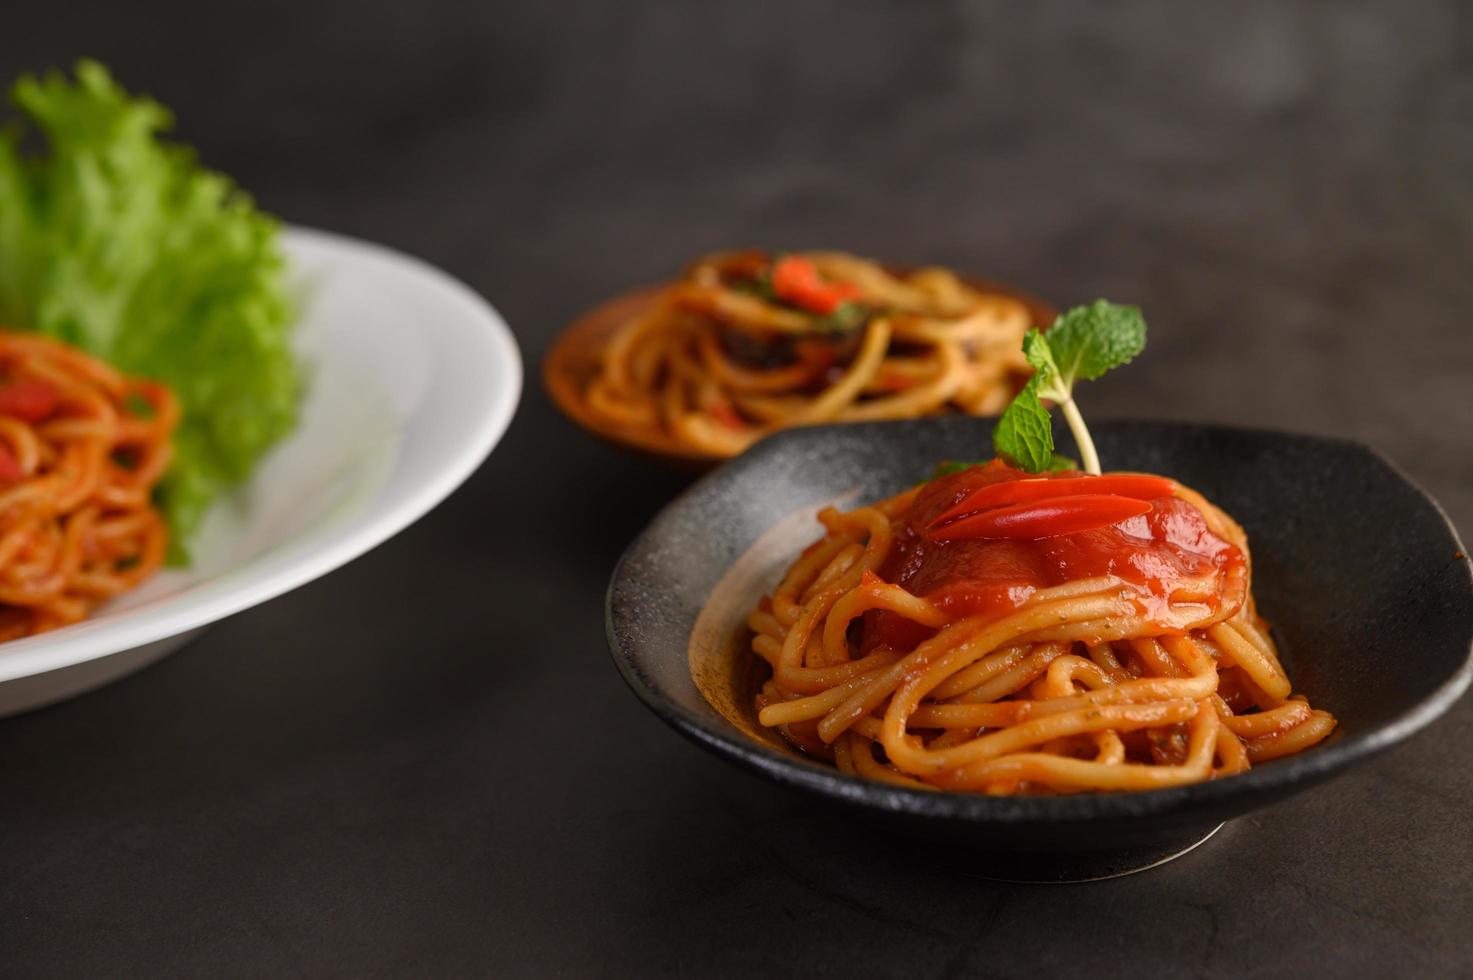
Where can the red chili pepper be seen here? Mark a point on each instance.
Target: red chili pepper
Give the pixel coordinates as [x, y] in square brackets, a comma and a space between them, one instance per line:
[1021, 491]
[10, 470]
[795, 280]
[28, 399]
[1044, 518]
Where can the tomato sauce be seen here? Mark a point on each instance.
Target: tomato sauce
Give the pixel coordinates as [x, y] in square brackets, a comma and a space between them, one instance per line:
[1161, 554]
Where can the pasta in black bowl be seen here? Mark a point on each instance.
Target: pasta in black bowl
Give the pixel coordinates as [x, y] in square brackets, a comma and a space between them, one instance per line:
[1360, 575]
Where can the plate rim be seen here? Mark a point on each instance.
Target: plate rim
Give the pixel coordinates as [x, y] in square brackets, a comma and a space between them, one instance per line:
[206, 602]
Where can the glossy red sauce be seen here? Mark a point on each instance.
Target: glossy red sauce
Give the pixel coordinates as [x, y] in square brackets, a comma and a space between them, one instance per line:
[1158, 553]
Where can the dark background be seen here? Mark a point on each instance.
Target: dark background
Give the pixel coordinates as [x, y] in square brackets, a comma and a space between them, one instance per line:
[426, 764]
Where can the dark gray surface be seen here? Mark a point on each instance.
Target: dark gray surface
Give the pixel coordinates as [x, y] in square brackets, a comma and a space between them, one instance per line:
[426, 764]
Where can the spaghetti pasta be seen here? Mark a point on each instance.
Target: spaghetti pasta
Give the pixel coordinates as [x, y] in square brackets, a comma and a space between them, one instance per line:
[81, 448]
[1127, 656]
[746, 344]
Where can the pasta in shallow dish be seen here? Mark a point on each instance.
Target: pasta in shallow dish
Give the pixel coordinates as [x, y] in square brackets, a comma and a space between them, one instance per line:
[748, 343]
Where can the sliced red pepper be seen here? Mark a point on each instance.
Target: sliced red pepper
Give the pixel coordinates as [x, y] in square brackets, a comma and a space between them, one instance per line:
[10, 470]
[1044, 518]
[1021, 491]
[795, 280]
[29, 399]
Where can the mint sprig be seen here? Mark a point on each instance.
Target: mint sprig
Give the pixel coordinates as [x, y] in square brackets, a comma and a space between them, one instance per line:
[1083, 343]
[1056, 463]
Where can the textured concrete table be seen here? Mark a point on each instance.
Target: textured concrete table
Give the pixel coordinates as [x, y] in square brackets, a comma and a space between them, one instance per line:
[426, 764]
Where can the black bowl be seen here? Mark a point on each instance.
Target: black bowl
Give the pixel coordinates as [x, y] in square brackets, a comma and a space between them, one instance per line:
[1359, 571]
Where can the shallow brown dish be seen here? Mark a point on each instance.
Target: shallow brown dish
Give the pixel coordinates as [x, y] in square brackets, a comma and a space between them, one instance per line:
[573, 361]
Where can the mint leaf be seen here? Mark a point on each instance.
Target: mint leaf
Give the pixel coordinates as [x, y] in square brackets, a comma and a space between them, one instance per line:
[1057, 463]
[1089, 340]
[1036, 348]
[1062, 462]
[1023, 435]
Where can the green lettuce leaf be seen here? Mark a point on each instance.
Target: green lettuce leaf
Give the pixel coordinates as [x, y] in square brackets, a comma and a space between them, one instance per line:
[119, 242]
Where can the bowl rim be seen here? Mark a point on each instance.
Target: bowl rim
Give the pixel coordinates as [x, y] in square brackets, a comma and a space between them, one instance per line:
[284, 568]
[793, 770]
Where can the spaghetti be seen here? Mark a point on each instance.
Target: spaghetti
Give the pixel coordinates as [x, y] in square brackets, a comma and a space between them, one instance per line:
[938, 639]
[81, 448]
[745, 345]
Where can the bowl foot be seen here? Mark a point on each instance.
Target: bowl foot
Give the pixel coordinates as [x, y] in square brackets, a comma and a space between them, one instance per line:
[1050, 868]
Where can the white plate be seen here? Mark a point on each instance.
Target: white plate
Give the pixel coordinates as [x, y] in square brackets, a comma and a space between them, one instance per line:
[412, 379]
